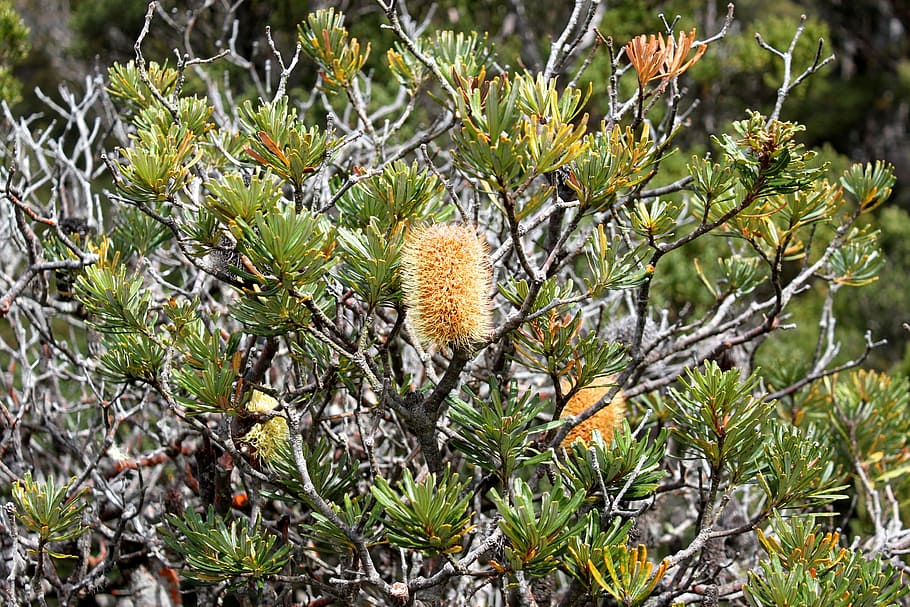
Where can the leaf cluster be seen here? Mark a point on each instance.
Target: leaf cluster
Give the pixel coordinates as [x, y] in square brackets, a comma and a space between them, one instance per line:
[538, 530]
[716, 415]
[216, 552]
[806, 567]
[50, 511]
[277, 140]
[628, 467]
[324, 38]
[494, 431]
[515, 130]
[333, 478]
[430, 516]
[553, 345]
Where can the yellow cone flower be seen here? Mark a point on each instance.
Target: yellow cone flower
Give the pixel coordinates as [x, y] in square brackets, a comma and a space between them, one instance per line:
[446, 277]
[268, 436]
[606, 420]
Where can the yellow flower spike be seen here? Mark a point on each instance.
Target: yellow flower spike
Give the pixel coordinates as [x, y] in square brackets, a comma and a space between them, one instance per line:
[266, 437]
[446, 277]
[260, 402]
[606, 420]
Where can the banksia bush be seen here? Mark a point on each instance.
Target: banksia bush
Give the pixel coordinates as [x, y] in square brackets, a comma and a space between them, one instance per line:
[446, 278]
[335, 321]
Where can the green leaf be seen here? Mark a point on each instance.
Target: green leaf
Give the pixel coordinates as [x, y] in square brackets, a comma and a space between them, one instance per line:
[869, 413]
[355, 512]
[609, 270]
[494, 429]
[400, 193]
[460, 56]
[800, 470]
[48, 510]
[489, 144]
[193, 113]
[126, 83]
[116, 302]
[767, 158]
[613, 160]
[654, 220]
[800, 540]
[586, 552]
[158, 164]
[216, 553]
[552, 345]
[631, 576]
[131, 357]
[274, 312]
[137, 233]
[542, 98]
[806, 568]
[333, 477]
[429, 516]
[286, 248]
[538, 532]
[712, 183]
[279, 142]
[516, 291]
[324, 39]
[716, 415]
[370, 262]
[596, 466]
[870, 185]
[859, 261]
[237, 196]
[209, 373]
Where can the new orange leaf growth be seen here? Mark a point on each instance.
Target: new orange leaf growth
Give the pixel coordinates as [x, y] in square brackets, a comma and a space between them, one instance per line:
[446, 277]
[605, 420]
[658, 58]
[645, 56]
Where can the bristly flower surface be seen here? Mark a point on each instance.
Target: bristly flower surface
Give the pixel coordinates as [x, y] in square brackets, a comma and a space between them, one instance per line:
[268, 436]
[446, 277]
[605, 420]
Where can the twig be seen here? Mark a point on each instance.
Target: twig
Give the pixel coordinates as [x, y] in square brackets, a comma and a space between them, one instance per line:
[728, 21]
[316, 500]
[141, 65]
[508, 203]
[787, 57]
[562, 48]
[465, 216]
[31, 271]
[391, 11]
[285, 69]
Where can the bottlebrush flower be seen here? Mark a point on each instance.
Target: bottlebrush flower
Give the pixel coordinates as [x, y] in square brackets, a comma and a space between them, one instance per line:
[605, 420]
[446, 277]
[266, 437]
